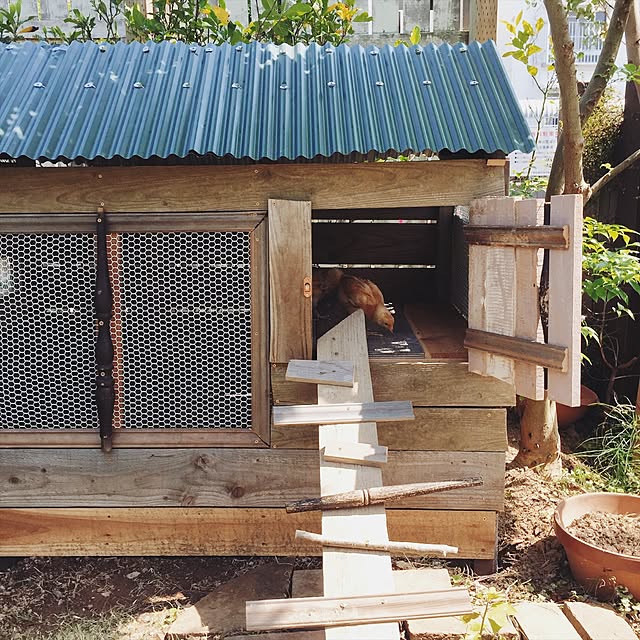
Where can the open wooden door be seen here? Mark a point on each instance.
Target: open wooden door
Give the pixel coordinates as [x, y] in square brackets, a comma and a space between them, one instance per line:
[506, 237]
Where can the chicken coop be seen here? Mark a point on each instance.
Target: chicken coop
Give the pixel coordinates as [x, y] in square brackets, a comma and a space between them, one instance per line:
[164, 210]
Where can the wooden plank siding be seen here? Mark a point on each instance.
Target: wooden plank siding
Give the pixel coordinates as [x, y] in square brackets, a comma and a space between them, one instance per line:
[219, 532]
[434, 429]
[248, 187]
[224, 478]
[426, 384]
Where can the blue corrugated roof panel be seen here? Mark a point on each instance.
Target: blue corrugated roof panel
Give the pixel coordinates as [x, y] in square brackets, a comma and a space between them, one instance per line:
[256, 101]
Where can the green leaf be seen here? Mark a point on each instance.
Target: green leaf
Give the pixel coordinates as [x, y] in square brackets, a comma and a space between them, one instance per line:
[518, 18]
[539, 25]
[533, 71]
[297, 10]
[415, 35]
[362, 17]
[510, 28]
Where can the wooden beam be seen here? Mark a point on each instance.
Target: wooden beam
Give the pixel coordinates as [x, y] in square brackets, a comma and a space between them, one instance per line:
[263, 615]
[290, 280]
[338, 373]
[345, 413]
[529, 378]
[248, 187]
[213, 477]
[425, 384]
[398, 548]
[187, 531]
[521, 236]
[543, 355]
[355, 453]
[565, 299]
[378, 495]
[434, 429]
[348, 572]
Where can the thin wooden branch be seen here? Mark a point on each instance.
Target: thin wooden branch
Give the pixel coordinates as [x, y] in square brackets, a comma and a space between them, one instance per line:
[400, 548]
[613, 173]
[543, 237]
[378, 495]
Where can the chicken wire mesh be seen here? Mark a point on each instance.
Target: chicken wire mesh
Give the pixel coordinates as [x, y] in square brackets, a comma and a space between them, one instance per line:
[181, 330]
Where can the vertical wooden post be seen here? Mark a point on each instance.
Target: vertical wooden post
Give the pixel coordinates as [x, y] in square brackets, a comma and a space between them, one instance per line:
[565, 299]
[289, 279]
[443, 267]
[483, 20]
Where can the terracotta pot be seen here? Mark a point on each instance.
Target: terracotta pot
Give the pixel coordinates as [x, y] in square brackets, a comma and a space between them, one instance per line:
[597, 570]
[569, 415]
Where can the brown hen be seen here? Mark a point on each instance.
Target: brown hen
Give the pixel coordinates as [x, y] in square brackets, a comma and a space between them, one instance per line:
[360, 293]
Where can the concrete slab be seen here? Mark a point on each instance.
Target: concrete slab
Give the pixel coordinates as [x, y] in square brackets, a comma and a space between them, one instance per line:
[597, 622]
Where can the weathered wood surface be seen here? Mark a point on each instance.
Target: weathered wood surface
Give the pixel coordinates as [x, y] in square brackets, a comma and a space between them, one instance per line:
[248, 187]
[529, 378]
[520, 349]
[289, 272]
[379, 243]
[439, 328]
[336, 372]
[378, 495]
[434, 429]
[518, 236]
[356, 453]
[348, 572]
[565, 299]
[188, 531]
[544, 621]
[301, 613]
[425, 384]
[492, 292]
[222, 477]
[344, 413]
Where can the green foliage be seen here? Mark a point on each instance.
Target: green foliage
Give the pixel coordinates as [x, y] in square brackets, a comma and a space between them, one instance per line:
[630, 72]
[613, 451]
[601, 132]
[414, 38]
[492, 615]
[527, 186]
[12, 24]
[523, 41]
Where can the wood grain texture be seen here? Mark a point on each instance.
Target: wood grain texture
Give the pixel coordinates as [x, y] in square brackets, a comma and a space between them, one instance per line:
[188, 531]
[521, 235]
[344, 413]
[439, 328]
[529, 378]
[289, 265]
[302, 613]
[492, 290]
[381, 243]
[336, 372]
[346, 571]
[248, 187]
[356, 452]
[426, 384]
[565, 299]
[434, 429]
[222, 477]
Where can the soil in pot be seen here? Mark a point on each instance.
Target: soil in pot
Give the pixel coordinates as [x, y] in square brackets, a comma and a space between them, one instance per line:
[619, 533]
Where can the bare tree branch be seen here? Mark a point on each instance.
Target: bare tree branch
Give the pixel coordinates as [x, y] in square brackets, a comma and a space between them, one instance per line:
[573, 143]
[615, 171]
[605, 68]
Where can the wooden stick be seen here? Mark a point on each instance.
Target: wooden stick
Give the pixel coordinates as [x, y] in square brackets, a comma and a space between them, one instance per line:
[303, 613]
[404, 548]
[343, 413]
[545, 355]
[529, 236]
[378, 495]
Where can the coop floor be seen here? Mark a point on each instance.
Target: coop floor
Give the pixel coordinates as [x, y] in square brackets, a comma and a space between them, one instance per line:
[431, 331]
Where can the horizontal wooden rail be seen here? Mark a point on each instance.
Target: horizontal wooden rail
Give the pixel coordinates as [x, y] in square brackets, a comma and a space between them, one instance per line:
[544, 237]
[303, 613]
[343, 413]
[543, 355]
[335, 372]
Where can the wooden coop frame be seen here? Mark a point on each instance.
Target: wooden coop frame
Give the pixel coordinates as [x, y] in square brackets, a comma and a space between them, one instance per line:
[66, 497]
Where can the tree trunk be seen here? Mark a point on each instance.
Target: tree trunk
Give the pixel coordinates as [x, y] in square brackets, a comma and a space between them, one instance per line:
[632, 38]
[539, 438]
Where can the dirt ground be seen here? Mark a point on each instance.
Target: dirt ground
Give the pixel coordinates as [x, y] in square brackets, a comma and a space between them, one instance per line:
[138, 598]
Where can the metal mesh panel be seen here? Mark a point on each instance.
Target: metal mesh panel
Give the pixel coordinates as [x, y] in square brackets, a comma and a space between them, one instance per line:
[47, 361]
[182, 329]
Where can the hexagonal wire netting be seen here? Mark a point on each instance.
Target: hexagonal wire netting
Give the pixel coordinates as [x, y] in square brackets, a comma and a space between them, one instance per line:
[181, 330]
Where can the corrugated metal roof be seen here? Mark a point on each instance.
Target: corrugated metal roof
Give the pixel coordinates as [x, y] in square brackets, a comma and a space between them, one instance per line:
[257, 101]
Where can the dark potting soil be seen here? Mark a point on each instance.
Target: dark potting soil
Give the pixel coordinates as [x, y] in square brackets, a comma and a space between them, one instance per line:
[619, 533]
